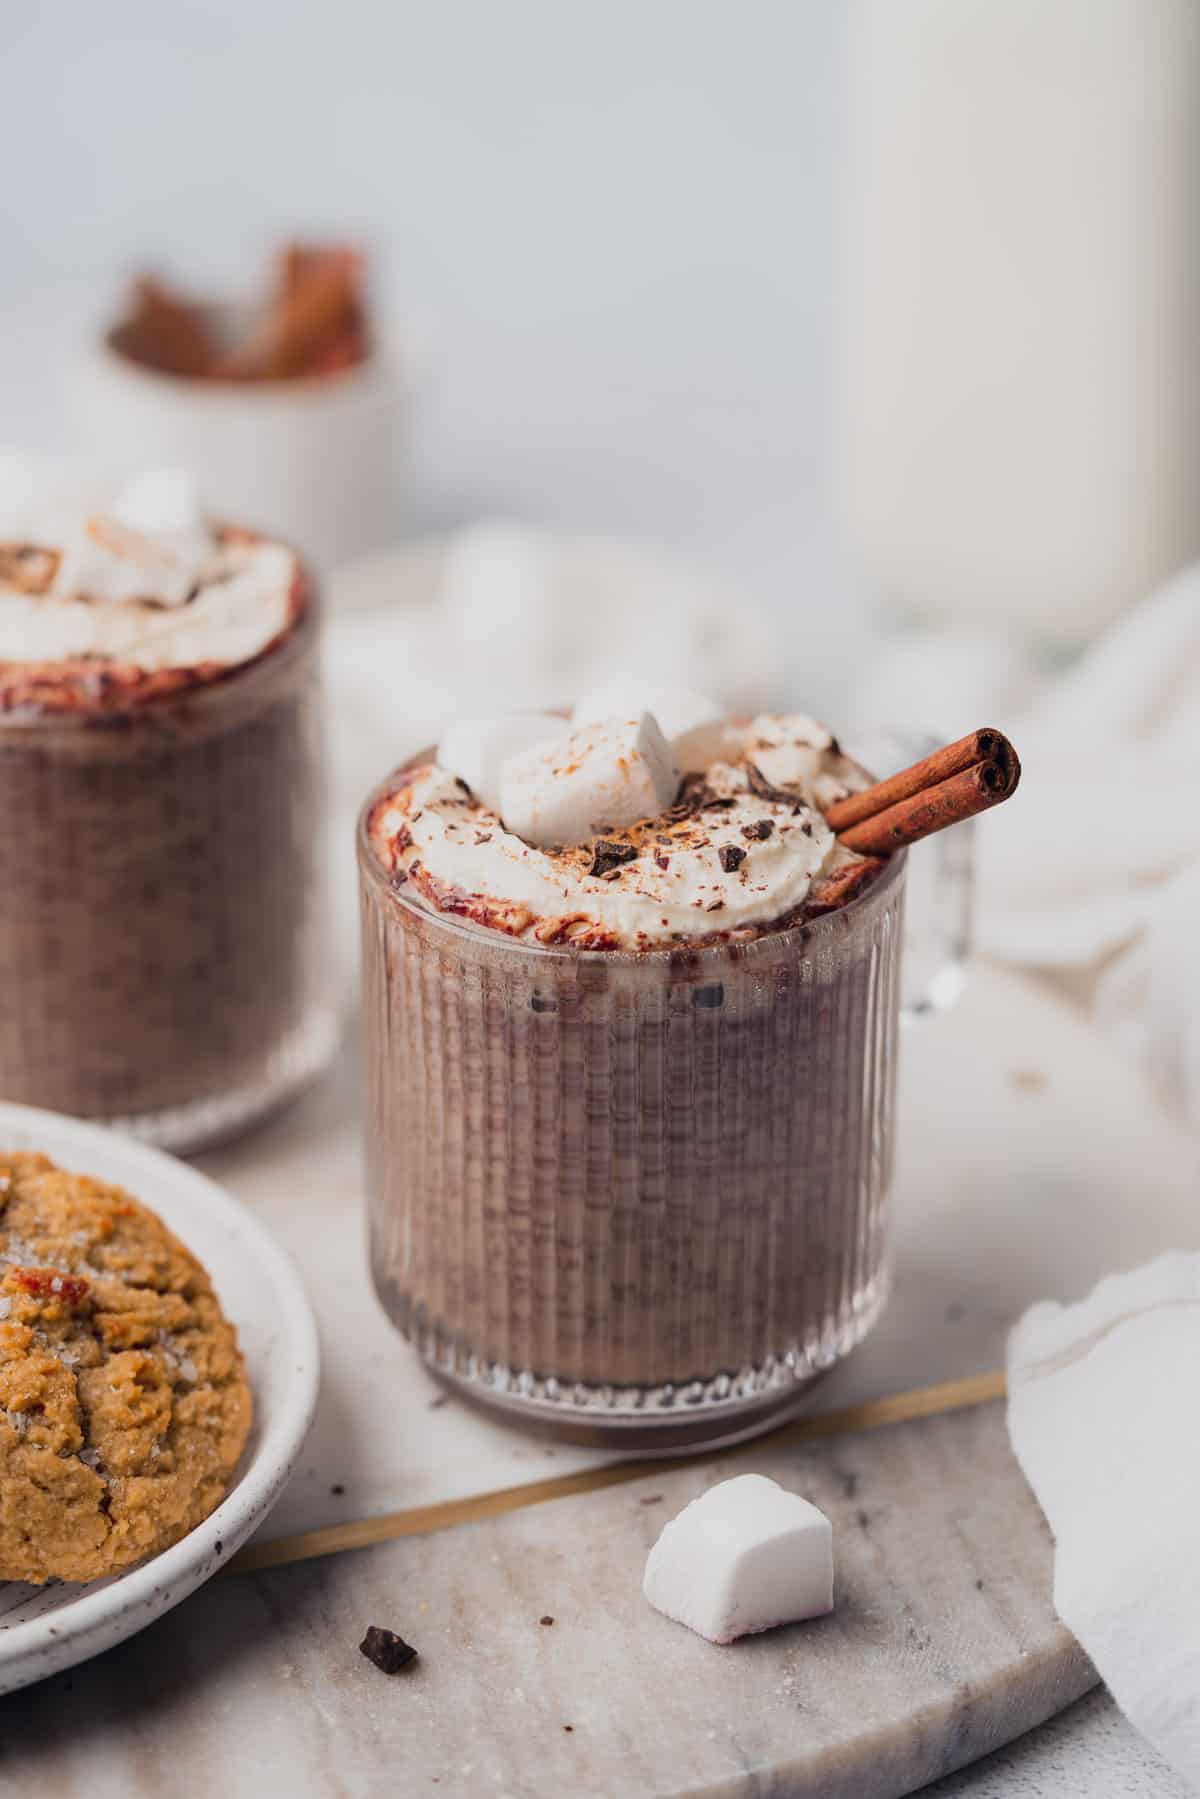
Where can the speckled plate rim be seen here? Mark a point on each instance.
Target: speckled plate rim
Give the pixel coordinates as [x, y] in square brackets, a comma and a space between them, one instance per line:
[109, 1612]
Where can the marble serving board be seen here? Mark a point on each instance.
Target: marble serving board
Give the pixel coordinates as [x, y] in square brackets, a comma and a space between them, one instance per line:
[542, 1670]
[1032, 1160]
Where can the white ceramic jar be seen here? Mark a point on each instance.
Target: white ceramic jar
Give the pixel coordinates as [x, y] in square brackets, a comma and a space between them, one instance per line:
[317, 460]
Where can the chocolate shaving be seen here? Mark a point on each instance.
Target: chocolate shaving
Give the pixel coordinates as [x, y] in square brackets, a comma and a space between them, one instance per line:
[609, 858]
[766, 790]
[694, 794]
[731, 857]
[388, 1651]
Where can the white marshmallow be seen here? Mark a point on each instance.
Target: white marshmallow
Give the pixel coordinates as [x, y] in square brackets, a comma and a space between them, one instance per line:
[152, 545]
[475, 749]
[160, 501]
[106, 561]
[603, 775]
[695, 727]
[744, 1557]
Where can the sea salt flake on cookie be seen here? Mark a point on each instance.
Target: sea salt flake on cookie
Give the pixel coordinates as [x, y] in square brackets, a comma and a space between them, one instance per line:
[744, 1557]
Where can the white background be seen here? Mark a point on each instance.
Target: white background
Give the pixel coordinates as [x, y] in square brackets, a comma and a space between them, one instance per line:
[607, 229]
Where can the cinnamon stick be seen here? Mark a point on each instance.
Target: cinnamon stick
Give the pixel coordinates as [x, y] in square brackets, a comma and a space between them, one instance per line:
[165, 332]
[984, 745]
[322, 295]
[835, 888]
[931, 809]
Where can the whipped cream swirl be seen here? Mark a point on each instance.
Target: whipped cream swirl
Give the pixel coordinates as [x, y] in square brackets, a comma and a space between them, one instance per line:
[87, 577]
[741, 851]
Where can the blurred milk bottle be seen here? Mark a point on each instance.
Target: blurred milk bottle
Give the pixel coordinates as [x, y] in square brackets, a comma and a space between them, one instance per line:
[1020, 374]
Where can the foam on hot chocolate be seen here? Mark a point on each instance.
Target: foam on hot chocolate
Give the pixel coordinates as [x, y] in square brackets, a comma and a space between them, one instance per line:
[736, 853]
[136, 580]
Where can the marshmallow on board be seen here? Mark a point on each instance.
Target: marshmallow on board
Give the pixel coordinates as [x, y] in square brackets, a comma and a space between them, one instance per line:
[601, 776]
[744, 1557]
[475, 749]
[695, 727]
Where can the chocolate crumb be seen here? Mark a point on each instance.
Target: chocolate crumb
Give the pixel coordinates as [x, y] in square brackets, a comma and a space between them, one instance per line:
[547, 1619]
[459, 782]
[716, 906]
[760, 830]
[483, 836]
[662, 862]
[337, 1490]
[731, 857]
[568, 1727]
[610, 858]
[651, 1499]
[389, 1652]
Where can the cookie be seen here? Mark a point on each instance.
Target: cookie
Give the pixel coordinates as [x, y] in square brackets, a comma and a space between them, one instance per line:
[124, 1404]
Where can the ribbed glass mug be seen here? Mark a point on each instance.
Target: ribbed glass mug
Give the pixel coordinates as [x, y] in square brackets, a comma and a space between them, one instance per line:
[636, 1199]
[163, 929]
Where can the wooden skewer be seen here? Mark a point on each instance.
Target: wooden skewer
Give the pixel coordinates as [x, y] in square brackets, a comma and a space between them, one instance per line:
[422, 1520]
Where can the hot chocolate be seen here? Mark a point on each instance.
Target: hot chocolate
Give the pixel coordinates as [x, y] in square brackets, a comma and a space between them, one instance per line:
[630, 1113]
[160, 775]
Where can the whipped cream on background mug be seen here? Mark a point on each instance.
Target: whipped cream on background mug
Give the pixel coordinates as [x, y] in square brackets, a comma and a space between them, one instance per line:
[163, 922]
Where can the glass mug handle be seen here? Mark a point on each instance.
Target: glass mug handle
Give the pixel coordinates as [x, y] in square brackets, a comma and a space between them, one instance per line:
[940, 884]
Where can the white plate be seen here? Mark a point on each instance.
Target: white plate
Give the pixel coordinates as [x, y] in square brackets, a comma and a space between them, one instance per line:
[44, 1629]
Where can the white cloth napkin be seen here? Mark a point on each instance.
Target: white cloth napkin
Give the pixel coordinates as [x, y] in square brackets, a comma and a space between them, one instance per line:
[1095, 867]
[1093, 870]
[1102, 1414]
